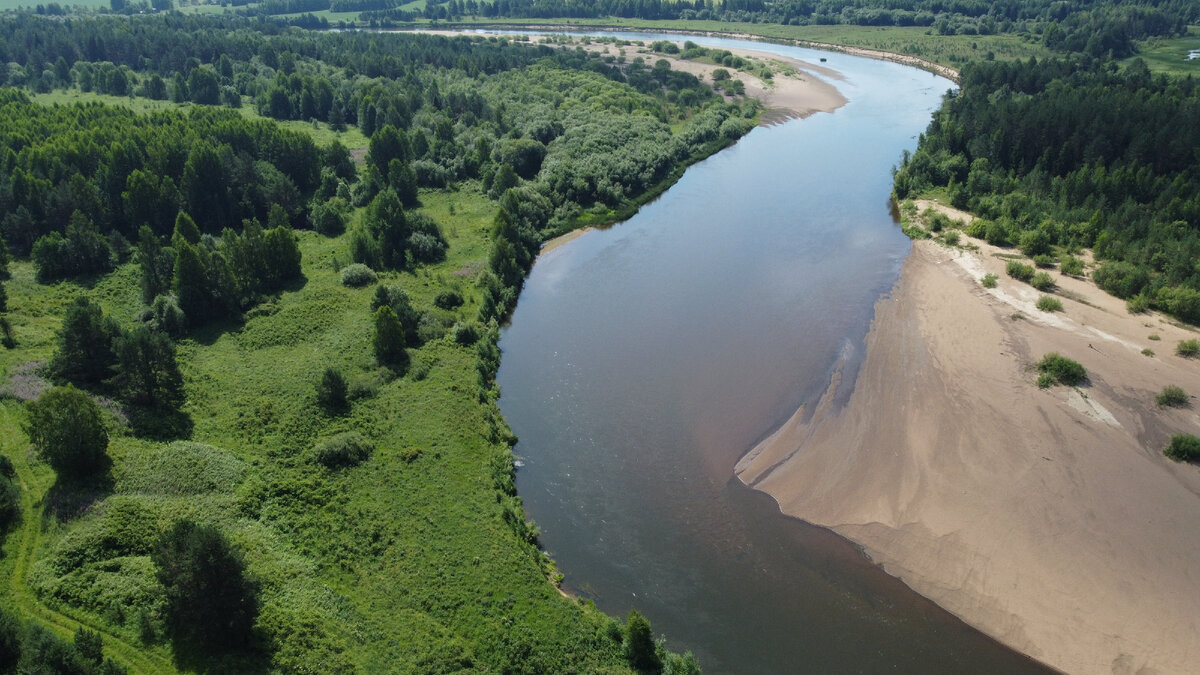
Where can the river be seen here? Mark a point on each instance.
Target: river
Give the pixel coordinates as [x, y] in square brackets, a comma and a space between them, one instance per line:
[643, 360]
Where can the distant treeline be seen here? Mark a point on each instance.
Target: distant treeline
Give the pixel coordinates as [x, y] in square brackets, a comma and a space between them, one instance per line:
[1078, 153]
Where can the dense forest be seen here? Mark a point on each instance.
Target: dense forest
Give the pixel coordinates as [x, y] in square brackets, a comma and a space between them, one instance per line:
[1077, 153]
[189, 204]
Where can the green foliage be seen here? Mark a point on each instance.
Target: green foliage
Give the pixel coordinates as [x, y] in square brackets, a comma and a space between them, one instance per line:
[332, 392]
[1172, 396]
[1049, 303]
[85, 344]
[389, 341]
[1042, 281]
[1019, 271]
[66, 428]
[465, 334]
[1138, 304]
[1043, 260]
[1122, 279]
[329, 218]
[82, 251]
[1072, 266]
[1057, 369]
[165, 316]
[211, 605]
[1187, 348]
[396, 299]
[10, 507]
[448, 299]
[1183, 448]
[356, 275]
[149, 374]
[640, 649]
[988, 280]
[343, 450]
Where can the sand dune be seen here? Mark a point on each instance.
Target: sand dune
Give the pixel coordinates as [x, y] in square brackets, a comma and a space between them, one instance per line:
[1047, 518]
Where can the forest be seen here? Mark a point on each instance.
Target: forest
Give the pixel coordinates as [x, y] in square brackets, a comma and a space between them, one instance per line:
[189, 204]
[1077, 153]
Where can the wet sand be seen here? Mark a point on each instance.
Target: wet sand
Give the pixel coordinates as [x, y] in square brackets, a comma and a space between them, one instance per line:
[1048, 518]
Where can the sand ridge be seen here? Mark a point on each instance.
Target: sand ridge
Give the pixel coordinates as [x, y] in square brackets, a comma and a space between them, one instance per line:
[1047, 518]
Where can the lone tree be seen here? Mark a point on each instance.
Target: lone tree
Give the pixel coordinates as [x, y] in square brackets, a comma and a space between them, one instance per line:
[389, 339]
[640, 649]
[85, 349]
[149, 375]
[66, 428]
[210, 603]
[331, 392]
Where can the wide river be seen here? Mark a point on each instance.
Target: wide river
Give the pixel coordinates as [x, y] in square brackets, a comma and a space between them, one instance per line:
[643, 360]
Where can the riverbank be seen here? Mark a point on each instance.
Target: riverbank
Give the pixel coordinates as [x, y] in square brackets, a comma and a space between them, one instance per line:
[1048, 518]
[795, 91]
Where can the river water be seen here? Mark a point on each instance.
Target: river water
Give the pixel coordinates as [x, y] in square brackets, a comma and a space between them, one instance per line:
[643, 360]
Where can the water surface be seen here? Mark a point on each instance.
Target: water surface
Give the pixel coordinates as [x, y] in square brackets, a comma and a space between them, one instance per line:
[643, 360]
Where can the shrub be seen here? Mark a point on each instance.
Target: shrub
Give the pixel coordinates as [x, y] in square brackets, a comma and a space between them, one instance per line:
[1058, 369]
[951, 238]
[343, 450]
[1049, 303]
[1042, 281]
[389, 340]
[988, 280]
[1147, 352]
[448, 299]
[1122, 279]
[1154, 336]
[1183, 448]
[1172, 396]
[465, 333]
[164, 315]
[1043, 260]
[1071, 265]
[977, 228]
[1035, 243]
[356, 275]
[10, 505]
[1187, 348]
[332, 392]
[65, 426]
[639, 644]
[1019, 271]
[1138, 304]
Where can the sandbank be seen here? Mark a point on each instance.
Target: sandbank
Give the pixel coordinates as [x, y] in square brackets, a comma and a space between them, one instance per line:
[1048, 518]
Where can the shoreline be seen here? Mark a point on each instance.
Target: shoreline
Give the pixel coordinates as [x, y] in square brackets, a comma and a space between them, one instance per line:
[1049, 519]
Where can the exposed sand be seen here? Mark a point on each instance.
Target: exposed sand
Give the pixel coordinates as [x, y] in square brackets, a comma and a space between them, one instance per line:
[793, 94]
[1047, 518]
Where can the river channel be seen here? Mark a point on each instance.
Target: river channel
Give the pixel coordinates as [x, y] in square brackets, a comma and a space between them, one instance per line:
[643, 360]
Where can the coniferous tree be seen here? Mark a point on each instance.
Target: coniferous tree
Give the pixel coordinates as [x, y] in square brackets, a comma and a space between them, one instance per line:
[389, 340]
[85, 344]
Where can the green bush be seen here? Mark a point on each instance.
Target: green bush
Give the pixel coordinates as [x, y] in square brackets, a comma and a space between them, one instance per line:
[1049, 303]
[343, 450]
[951, 238]
[1138, 304]
[448, 299]
[1071, 265]
[988, 280]
[1122, 279]
[1187, 348]
[1042, 281]
[977, 228]
[1172, 396]
[1019, 271]
[1147, 352]
[356, 275]
[65, 426]
[1183, 448]
[1043, 260]
[1057, 369]
[465, 333]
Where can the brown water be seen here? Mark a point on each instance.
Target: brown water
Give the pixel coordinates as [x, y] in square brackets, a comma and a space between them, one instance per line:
[642, 361]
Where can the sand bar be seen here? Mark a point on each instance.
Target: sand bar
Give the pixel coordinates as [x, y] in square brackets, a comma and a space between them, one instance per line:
[1047, 518]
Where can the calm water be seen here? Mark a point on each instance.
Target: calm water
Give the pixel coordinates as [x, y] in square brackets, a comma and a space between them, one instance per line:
[642, 361]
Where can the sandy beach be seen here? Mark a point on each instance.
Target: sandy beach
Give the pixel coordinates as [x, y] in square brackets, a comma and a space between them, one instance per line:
[798, 93]
[1048, 518]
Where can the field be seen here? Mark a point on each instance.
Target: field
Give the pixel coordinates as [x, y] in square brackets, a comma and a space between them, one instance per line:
[1170, 56]
[417, 560]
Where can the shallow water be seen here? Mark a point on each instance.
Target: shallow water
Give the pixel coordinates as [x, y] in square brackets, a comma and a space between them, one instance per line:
[643, 360]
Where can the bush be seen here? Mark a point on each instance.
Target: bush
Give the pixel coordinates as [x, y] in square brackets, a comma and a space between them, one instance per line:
[1138, 304]
[1058, 369]
[1183, 448]
[343, 450]
[332, 392]
[465, 333]
[448, 299]
[1043, 260]
[66, 428]
[640, 649]
[1172, 397]
[1187, 348]
[1042, 281]
[1071, 265]
[356, 275]
[951, 238]
[389, 340]
[1122, 279]
[1019, 271]
[1048, 303]
[164, 315]
[988, 280]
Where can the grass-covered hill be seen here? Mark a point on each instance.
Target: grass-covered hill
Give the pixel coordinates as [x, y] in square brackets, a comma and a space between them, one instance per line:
[272, 343]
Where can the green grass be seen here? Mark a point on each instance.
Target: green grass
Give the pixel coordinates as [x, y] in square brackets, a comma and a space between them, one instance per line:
[406, 562]
[1168, 56]
[30, 4]
[1188, 348]
[1049, 303]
